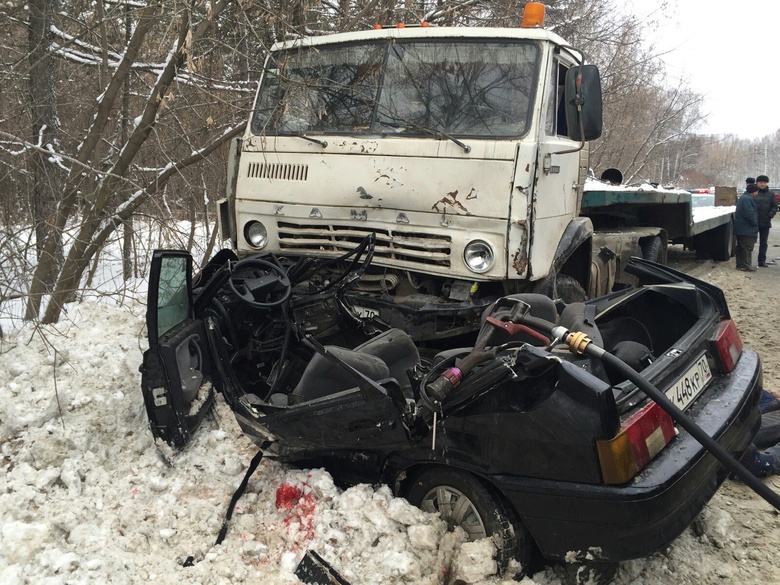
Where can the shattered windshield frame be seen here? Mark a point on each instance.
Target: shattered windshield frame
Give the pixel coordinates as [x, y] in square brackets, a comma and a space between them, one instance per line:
[461, 87]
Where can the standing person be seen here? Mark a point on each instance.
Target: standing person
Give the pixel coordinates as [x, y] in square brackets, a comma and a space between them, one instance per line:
[767, 207]
[748, 181]
[746, 228]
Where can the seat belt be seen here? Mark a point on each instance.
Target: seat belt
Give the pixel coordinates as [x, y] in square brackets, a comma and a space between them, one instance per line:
[190, 560]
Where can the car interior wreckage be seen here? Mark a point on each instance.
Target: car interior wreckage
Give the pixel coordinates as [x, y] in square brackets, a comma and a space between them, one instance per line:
[544, 429]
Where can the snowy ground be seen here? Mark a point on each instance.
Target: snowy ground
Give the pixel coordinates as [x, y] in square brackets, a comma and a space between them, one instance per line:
[85, 498]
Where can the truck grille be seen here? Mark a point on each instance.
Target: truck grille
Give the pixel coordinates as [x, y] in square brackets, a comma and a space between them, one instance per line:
[407, 248]
[281, 172]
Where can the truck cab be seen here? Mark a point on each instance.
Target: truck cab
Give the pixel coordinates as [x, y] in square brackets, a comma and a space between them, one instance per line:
[463, 150]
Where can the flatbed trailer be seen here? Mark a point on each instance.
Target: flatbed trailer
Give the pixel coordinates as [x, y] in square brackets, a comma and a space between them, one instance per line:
[641, 214]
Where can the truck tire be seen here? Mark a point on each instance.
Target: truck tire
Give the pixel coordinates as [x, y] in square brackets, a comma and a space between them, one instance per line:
[651, 248]
[569, 290]
[481, 511]
[720, 242]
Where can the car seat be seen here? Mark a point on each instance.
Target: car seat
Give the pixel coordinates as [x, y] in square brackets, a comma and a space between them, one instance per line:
[387, 355]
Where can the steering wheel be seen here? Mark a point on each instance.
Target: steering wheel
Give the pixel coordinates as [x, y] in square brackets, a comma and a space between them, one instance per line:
[264, 281]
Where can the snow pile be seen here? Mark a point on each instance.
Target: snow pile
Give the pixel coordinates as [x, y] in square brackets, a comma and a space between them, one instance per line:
[86, 498]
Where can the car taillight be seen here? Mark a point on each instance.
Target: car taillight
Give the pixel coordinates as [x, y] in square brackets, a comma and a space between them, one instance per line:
[729, 345]
[639, 439]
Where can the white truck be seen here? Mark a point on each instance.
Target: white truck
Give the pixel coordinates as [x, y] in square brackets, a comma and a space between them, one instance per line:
[465, 150]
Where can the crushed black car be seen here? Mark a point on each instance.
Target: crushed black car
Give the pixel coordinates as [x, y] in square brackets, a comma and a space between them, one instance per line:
[512, 437]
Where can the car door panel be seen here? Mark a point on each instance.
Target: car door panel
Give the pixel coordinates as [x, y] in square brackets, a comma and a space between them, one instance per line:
[177, 374]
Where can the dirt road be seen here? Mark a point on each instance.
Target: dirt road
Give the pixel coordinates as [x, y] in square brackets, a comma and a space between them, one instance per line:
[737, 537]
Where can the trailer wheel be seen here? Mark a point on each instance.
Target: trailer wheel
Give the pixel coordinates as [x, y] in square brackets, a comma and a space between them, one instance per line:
[462, 499]
[651, 248]
[720, 242]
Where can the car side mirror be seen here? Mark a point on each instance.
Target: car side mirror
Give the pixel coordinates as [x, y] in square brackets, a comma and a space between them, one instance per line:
[583, 103]
[169, 301]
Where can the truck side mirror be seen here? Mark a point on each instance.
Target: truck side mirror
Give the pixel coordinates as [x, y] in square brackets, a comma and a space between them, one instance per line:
[583, 102]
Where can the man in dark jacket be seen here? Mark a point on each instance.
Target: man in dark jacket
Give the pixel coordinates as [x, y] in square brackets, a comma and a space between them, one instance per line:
[746, 228]
[766, 204]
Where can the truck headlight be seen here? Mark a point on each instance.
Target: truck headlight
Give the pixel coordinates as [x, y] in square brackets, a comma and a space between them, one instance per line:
[479, 256]
[256, 234]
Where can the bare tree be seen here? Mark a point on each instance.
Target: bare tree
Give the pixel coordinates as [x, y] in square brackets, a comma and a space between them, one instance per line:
[150, 89]
[46, 169]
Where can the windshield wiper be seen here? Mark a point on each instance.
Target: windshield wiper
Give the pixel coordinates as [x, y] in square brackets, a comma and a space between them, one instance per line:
[431, 131]
[441, 134]
[322, 143]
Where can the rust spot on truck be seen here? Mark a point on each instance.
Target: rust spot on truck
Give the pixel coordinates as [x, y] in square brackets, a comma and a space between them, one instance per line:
[472, 194]
[519, 258]
[520, 262]
[387, 179]
[450, 200]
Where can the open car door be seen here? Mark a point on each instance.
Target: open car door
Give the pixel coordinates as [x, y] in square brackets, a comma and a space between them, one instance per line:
[177, 374]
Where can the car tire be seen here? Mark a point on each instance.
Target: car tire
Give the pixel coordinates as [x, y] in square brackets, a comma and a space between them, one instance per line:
[589, 573]
[485, 513]
[651, 248]
[569, 290]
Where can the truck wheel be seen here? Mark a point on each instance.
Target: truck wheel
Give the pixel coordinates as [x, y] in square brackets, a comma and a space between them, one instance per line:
[719, 240]
[569, 290]
[462, 499]
[651, 248]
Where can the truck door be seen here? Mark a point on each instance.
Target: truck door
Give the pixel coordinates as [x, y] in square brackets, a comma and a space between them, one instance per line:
[555, 198]
[177, 371]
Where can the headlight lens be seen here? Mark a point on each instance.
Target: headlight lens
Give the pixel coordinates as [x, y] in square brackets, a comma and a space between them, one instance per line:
[256, 234]
[479, 256]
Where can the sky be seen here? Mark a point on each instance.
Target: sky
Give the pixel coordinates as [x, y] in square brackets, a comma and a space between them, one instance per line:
[725, 49]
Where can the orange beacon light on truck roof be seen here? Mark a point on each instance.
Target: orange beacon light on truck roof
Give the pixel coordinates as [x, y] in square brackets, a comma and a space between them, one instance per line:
[533, 15]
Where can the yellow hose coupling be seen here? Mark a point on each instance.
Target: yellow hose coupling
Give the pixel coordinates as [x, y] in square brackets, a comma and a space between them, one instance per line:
[577, 342]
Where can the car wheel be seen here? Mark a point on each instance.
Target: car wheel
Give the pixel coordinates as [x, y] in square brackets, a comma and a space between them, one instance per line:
[461, 499]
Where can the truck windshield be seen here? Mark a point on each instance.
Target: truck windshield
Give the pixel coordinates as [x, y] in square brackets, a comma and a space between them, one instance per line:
[461, 88]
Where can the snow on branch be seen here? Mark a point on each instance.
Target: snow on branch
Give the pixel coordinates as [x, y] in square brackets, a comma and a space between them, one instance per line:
[449, 8]
[70, 40]
[55, 157]
[126, 208]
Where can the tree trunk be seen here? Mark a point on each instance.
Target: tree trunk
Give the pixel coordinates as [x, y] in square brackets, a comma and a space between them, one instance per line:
[45, 272]
[127, 225]
[46, 175]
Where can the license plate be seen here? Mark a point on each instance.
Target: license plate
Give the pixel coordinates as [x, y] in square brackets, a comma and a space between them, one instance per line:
[365, 312]
[686, 389]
